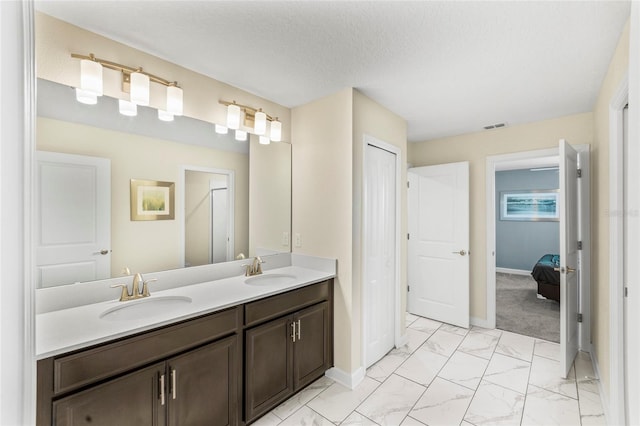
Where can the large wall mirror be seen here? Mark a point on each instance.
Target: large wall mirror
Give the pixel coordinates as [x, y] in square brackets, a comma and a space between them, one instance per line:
[228, 198]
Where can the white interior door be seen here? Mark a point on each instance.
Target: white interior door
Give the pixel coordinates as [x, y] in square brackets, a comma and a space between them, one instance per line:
[74, 218]
[626, 265]
[219, 222]
[438, 276]
[379, 252]
[569, 290]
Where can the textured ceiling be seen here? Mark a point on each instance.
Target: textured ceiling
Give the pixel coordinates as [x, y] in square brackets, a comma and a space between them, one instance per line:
[446, 67]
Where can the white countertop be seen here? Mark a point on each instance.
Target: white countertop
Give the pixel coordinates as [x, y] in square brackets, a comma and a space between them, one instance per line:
[74, 328]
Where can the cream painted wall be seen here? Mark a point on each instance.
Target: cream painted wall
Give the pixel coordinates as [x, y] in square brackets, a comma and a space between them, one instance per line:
[322, 196]
[327, 198]
[56, 40]
[270, 201]
[370, 118]
[146, 246]
[475, 147]
[600, 205]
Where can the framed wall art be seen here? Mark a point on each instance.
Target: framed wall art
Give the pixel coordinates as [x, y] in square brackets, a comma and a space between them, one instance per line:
[540, 205]
[152, 200]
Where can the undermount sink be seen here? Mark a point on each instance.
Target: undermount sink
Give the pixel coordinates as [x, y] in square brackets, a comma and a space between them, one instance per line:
[148, 307]
[267, 279]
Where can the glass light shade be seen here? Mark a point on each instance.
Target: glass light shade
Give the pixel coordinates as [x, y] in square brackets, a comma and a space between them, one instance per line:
[260, 127]
[276, 131]
[233, 116]
[174, 100]
[127, 108]
[91, 76]
[241, 135]
[264, 140]
[139, 88]
[86, 97]
[221, 130]
[164, 115]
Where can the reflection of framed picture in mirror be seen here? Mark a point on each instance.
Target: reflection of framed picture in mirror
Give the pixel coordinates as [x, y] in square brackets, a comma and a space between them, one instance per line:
[152, 200]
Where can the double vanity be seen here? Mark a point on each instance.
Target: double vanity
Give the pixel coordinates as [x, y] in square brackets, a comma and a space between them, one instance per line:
[205, 347]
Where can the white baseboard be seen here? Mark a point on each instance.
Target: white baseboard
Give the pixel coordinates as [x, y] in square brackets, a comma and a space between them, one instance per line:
[402, 340]
[604, 398]
[350, 380]
[513, 271]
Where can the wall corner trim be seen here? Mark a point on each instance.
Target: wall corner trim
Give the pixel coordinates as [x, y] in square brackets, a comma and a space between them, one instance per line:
[350, 380]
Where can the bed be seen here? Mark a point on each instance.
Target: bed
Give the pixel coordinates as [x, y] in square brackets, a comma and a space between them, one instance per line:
[547, 278]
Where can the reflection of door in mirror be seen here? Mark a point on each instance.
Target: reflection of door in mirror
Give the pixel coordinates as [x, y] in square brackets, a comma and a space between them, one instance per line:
[74, 222]
[208, 216]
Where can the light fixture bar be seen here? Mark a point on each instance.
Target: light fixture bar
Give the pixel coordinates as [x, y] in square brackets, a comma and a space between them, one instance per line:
[249, 111]
[124, 68]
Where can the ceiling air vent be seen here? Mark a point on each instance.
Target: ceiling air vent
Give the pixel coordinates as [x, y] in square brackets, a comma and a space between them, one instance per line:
[494, 126]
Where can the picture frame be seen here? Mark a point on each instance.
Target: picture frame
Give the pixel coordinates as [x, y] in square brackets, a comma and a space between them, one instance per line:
[152, 200]
[527, 205]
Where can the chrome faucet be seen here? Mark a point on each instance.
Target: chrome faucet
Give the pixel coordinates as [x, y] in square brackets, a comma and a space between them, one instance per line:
[254, 268]
[135, 288]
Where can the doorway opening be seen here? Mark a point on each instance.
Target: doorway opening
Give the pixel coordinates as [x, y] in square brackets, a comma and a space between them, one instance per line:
[207, 224]
[541, 159]
[527, 249]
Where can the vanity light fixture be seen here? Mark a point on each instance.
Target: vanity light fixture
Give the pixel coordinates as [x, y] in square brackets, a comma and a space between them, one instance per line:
[164, 115]
[86, 97]
[241, 135]
[135, 81]
[233, 116]
[264, 140]
[175, 103]
[253, 117]
[139, 88]
[276, 130]
[91, 75]
[127, 108]
[221, 130]
[260, 126]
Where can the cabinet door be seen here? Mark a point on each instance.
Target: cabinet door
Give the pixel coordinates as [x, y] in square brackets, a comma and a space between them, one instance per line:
[311, 349]
[268, 366]
[131, 400]
[204, 385]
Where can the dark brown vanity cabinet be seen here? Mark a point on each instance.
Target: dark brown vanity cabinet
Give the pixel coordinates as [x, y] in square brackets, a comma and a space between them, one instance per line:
[286, 353]
[191, 372]
[184, 374]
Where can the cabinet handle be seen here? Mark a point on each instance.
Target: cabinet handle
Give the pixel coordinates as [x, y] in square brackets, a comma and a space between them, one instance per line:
[162, 389]
[174, 388]
[299, 328]
[293, 332]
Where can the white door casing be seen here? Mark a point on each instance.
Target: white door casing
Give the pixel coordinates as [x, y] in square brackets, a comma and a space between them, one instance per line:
[569, 268]
[380, 249]
[438, 274]
[73, 242]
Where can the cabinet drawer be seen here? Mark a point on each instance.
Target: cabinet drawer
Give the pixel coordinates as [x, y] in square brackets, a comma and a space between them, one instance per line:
[282, 304]
[88, 366]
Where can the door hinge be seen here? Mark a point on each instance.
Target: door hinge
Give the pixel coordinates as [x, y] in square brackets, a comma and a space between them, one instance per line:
[626, 292]
[407, 236]
[408, 184]
[408, 288]
[579, 245]
[579, 173]
[579, 317]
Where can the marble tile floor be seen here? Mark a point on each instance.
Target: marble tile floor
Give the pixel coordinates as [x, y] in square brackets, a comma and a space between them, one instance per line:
[447, 375]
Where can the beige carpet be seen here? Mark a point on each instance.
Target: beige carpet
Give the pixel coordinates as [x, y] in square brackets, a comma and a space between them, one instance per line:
[519, 310]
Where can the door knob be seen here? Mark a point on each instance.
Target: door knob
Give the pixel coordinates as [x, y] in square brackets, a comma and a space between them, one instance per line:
[570, 269]
[102, 252]
[461, 252]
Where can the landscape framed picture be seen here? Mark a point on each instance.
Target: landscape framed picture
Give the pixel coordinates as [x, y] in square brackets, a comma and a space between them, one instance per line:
[530, 205]
[152, 200]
